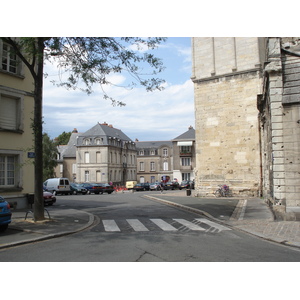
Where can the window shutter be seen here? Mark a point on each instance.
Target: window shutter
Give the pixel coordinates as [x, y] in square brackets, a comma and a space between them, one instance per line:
[8, 113]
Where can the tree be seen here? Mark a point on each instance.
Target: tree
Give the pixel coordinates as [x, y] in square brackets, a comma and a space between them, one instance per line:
[63, 138]
[87, 61]
[49, 157]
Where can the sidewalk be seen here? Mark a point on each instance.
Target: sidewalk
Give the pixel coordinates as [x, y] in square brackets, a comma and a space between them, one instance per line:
[251, 215]
[62, 221]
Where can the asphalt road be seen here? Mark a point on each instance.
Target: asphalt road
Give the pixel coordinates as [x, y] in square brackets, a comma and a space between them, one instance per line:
[130, 228]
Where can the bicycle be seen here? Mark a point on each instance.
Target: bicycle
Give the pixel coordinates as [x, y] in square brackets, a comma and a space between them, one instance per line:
[223, 191]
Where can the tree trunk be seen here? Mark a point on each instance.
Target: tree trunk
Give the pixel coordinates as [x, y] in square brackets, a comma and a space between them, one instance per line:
[38, 133]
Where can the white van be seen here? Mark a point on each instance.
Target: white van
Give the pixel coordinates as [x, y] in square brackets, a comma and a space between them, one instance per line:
[58, 186]
[130, 184]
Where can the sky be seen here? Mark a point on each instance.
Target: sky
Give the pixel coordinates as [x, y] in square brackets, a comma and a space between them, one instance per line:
[147, 116]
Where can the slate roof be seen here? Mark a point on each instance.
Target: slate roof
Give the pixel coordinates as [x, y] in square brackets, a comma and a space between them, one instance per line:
[70, 150]
[188, 135]
[103, 131]
[106, 130]
[153, 144]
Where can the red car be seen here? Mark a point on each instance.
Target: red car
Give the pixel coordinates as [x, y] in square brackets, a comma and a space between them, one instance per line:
[49, 199]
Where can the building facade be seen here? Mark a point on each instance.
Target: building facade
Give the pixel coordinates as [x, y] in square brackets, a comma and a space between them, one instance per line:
[102, 154]
[154, 161]
[279, 115]
[227, 76]
[253, 147]
[184, 158]
[16, 136]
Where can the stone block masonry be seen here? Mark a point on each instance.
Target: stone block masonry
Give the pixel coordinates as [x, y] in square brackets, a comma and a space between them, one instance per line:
[227, 78]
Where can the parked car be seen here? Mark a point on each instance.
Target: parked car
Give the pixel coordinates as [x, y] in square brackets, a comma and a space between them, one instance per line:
[146, 185]
[170, 185]
[106, 188]
[77, 188]
[49, 198]
[58, 186]
[184, 185]
[142, 187]
[5, 214]
[130, 184]
[155, 186]
[94, 188]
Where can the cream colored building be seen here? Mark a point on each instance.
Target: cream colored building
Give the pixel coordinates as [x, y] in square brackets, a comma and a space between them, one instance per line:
[184, 158]
[227, 76]
[154, 161]
[100, 155]
[16, 137]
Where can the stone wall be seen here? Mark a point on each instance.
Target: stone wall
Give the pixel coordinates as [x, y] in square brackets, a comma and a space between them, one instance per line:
[227, 78]
[227, 134]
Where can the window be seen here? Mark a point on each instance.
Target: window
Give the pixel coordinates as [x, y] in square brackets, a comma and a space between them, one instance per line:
[87, 157]
[152, 166]
[186, 176]
[166, 166]
[86, 142]
[152, 152]
[99, 141]
[74, 168]
[98, 157]
[8, 170]
[185, 161]
[10, 112]
[165, 152]
[142, 167]
[185, 149]
[87, 176]
[8, 59]
[141, 152]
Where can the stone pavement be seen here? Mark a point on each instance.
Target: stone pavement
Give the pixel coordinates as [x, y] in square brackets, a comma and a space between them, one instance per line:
[62, 221]
[250, 215]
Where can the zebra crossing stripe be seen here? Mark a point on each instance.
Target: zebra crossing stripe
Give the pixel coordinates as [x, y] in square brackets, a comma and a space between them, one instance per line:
[163, 225]
[136, 225]
[110, 225]
[213, 224]
[189, 225]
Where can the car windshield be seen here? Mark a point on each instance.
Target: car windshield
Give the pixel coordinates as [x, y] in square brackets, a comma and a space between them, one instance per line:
[2, 200]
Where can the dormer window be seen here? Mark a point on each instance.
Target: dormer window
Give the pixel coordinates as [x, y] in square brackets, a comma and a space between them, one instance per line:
[99, 141]
[86, 142]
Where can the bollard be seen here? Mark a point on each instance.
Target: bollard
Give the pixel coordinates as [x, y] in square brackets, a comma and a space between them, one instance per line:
[188, 192]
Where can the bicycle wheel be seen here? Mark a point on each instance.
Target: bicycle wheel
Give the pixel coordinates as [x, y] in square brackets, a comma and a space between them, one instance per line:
[217, 193]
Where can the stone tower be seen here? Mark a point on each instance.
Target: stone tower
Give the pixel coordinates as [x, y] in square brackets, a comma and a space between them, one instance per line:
[227, 76]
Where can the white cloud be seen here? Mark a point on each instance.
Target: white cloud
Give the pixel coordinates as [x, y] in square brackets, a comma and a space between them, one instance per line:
[159, 115]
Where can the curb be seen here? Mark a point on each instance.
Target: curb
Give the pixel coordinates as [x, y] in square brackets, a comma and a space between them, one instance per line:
[198, 211]
[51, 236]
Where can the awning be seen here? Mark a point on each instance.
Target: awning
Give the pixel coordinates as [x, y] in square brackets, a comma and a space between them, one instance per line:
[187, 143]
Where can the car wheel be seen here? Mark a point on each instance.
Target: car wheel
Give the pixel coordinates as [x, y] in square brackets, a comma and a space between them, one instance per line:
[3, 227]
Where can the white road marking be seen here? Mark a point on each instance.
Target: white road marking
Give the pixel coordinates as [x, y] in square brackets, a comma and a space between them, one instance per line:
[243, 210]
[163, 225]
[136, 225]
[110, 225]
[213, 224]
[189, 225]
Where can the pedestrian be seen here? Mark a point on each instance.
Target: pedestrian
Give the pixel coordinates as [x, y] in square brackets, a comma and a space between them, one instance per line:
[161, 187]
